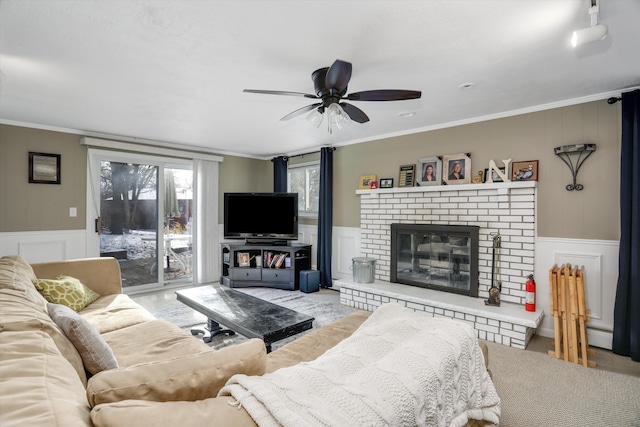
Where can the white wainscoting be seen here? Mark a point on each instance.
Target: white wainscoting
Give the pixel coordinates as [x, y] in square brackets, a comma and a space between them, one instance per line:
[345, 245]
[600, 261]
[599, 258]
[44, 246]
[308, 234]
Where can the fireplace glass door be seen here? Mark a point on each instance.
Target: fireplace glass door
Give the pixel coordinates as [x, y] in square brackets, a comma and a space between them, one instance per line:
[435, 256]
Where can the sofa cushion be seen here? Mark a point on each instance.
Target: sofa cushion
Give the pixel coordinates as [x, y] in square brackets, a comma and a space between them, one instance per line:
[315, 343]
[112, 312]
[189, 377]
[17, 274]
[161, 340]
[139, 413]
[19, 313]
[96, 354]
[66, 290]
[39, 387]
[21, 263]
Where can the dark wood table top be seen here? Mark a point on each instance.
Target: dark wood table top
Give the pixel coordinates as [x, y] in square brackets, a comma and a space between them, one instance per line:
[245, 314]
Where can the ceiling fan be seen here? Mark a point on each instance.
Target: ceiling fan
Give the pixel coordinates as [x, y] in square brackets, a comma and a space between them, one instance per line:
[330, 85]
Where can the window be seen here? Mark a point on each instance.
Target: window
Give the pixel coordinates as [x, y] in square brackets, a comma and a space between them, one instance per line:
[180, 254]
[304, 179]
[144, 205]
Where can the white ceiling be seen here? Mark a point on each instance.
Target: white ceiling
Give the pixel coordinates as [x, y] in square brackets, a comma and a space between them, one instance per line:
[174, 71]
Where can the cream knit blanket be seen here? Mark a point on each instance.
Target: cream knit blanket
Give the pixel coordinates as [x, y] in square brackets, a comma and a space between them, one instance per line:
[400, 368]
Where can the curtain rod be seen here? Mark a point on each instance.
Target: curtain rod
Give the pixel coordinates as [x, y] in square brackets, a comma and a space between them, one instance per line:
[304, 154]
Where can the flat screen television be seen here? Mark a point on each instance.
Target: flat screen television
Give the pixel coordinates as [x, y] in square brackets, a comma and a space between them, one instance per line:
[261, 217]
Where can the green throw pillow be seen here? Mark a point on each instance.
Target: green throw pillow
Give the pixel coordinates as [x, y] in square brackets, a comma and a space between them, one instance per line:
[67, 291]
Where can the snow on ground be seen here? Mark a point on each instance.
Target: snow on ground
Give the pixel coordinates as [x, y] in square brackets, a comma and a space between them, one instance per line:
[138, 243]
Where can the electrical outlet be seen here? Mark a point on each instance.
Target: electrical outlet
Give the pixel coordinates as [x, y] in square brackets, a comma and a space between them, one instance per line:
[73, 212]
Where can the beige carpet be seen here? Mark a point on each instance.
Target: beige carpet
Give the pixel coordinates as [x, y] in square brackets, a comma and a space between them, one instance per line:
[538, 390]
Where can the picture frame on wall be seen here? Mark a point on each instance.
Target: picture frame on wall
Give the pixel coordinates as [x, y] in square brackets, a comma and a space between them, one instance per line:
[524, 171]
[44, 168]
[365, 181]
[456, 168]
[430, 171]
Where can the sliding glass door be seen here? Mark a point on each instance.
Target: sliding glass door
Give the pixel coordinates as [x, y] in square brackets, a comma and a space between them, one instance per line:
[143, 216]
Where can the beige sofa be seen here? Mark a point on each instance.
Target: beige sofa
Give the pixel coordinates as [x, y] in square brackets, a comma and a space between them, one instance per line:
[43, 381]
[165, 376]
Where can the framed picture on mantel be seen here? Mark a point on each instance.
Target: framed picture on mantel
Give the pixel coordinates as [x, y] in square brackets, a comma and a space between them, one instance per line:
[430, 171]
[456, 168]
[407, 176]
[365, 181]
[525, 171]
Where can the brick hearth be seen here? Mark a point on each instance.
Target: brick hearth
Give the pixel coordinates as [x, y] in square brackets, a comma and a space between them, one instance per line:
[508, 324]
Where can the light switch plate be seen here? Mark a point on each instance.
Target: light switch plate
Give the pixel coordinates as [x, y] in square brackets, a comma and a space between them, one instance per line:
[73, 212]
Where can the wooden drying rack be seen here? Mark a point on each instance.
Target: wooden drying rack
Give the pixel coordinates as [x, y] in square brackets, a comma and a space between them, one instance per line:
[569, 311]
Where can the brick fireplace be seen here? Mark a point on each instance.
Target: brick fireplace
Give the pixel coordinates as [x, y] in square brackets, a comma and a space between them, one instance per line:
[505, 208]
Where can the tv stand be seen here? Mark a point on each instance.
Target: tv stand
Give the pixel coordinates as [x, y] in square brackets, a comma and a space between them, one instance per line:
[270, 264]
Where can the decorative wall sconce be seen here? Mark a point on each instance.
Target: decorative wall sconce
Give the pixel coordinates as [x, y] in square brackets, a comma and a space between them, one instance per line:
[565, 153]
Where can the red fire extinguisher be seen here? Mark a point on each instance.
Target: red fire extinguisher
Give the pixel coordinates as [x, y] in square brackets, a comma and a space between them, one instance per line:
[530, 298]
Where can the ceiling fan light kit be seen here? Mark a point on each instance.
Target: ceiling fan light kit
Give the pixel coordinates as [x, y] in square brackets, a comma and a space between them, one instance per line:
[593, 33]
[330, 85]
[315, 118]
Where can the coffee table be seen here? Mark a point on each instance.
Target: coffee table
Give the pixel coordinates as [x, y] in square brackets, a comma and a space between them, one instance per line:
[244, 314]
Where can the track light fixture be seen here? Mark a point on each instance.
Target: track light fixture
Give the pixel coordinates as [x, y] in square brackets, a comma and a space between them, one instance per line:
[593, 33]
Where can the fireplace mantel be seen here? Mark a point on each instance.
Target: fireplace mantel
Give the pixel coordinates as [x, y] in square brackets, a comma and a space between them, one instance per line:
[500, 187]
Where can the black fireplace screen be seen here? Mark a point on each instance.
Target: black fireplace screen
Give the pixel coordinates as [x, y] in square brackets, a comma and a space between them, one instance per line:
[442, 257]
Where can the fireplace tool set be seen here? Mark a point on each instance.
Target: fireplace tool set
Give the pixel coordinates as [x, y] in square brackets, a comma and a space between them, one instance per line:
[494, 291]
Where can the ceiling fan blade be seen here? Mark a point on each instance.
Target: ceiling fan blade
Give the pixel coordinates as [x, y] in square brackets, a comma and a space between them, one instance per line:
[300, 111]
[356, 114]
[279, 92]
[384, 95]
[338, 76]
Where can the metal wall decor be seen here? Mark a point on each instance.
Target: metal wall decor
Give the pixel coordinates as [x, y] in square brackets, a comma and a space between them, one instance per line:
[582, 151]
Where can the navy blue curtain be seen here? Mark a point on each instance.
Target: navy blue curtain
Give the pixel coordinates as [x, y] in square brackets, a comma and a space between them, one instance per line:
[626, 323]
[280, 174]
[325, 217]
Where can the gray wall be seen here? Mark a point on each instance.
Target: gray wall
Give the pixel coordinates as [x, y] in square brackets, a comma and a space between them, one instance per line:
[592, 213]
[38, 207]
[35, 207]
